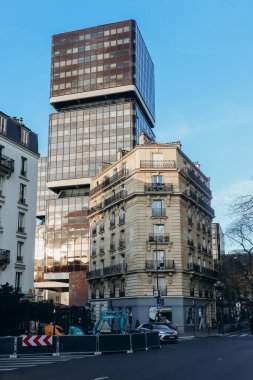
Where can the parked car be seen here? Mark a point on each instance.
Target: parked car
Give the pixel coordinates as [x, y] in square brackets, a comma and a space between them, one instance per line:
[166, 334]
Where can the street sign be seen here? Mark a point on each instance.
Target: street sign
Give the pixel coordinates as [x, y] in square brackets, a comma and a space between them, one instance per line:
[160, 301]
[156, 293]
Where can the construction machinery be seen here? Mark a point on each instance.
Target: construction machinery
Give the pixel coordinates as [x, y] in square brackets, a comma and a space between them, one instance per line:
[110, 315]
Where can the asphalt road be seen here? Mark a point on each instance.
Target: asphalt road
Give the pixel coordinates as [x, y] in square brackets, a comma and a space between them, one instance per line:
[217, 358]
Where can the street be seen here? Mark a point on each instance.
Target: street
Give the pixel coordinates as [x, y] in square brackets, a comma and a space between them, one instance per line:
[212, 358]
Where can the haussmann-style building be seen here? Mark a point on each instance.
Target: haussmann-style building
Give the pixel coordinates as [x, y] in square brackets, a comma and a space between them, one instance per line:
[18, 185]
[151, 244]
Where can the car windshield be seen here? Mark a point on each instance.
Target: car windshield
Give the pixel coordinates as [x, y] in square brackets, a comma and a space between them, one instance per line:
[161, 327]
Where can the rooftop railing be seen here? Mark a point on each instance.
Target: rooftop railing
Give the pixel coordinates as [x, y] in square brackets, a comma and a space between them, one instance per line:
[150, 164]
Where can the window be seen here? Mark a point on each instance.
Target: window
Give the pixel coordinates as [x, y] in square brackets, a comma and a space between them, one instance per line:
[112, 220]
[20, 246]
[18, 281]
[21, 222]
[3, 123]
[158, 229]
[23, 169]
[157, 157]
[24, 136]
[157, 179]
[22, 194]
[159, 257]
[157, 208]
[122, 215]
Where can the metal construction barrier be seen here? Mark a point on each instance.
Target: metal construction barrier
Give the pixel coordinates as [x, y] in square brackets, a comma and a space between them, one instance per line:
[7, 345]
[86, 343]
[89, 344]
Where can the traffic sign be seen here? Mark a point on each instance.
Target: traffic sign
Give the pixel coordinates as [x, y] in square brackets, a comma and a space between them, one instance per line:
[37, 340]
[160, 301]
[158, 306]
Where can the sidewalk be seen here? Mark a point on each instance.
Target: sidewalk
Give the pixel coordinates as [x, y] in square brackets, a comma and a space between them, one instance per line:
[206, 333]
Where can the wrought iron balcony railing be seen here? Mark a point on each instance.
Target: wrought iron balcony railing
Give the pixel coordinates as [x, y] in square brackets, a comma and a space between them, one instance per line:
[6, 164]
[158, 187]
[110, 180]
[122, 219]
[107, 271]
[115, 197]
[150, 164]
[159, 238]
[190, 174]
[158, 212]
[166, 265]
[112, 247]
[21, 229]
[191, 243]
[101, 250]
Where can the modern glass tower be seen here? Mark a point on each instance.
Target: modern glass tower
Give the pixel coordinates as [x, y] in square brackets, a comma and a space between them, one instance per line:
[102, 88]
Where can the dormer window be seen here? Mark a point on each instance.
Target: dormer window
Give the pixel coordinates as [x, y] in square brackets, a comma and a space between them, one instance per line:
[3, 123]
[24, 136]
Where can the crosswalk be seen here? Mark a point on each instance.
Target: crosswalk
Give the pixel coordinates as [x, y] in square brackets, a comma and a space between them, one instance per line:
[11, 364]
[239, 335]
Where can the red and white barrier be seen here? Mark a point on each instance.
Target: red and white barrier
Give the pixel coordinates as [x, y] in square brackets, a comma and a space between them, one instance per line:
[37, 340]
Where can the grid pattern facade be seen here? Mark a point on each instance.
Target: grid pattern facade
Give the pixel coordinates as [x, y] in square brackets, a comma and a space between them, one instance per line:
[67, 244]
[43, 193]
[81, 139]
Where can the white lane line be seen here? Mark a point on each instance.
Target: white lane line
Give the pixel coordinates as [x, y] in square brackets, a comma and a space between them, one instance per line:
[101, 378]
[7, 369]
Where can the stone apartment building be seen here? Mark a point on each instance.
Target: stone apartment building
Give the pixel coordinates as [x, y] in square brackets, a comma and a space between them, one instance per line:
[150, 226]
[18, 183]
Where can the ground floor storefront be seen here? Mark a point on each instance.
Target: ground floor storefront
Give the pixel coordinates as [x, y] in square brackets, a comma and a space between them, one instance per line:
[185, 313]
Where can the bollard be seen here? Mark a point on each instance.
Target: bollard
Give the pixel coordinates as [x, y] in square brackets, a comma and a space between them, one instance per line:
[131, 345]
[14, 349]
[57, 350]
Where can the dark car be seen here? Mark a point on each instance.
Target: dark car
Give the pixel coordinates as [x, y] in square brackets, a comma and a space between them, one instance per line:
[166, 334]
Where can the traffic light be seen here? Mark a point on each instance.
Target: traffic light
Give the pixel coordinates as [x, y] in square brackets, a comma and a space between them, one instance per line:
[219, 299]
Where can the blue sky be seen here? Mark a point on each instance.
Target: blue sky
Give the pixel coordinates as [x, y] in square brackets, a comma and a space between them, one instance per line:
[203, 56]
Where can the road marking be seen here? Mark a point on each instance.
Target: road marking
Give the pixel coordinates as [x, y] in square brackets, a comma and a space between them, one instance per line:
[101, 378]
[8, 369]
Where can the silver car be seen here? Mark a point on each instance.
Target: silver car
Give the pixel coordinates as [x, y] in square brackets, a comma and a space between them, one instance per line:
[166, 334]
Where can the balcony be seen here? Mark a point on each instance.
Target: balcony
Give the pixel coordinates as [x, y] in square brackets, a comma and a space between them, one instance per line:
[94, 252]
[110, 181]
[204, 250]
[115, 197]
[153, 265]
[209, 272]
[189, 221]
[96, 208]
[194, 178]
[6, 164]
[4, 257]
[94, 231]
[22, 201]
[194, 268]
[107, 271]
[159, 238]
[158, 187]
[150, 164]
[122, 245]
[158, 212]
[206, 207]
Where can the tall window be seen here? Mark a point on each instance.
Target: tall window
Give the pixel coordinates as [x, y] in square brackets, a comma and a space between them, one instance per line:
[157, 179]
[159, 258]
[22, 194]
[158, 208]
[158, 229]
[20, 246]
[157, 157]
[18, 281]
[24, 136]
[23, 169]
[122, 215]
[112, 220]
[21, 222]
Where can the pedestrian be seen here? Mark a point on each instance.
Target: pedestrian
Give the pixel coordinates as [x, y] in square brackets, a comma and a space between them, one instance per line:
[137, 323]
